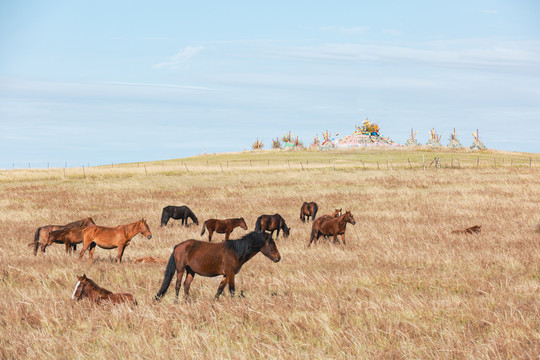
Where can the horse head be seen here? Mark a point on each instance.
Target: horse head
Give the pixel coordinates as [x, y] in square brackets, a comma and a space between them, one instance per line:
[337, 213]
[144, 229]
[243, 224]
[349, 217]
[80, 287]
[269, 248]
[286, 231]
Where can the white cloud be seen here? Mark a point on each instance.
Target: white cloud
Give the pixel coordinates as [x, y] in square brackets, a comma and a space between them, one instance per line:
[182, 57]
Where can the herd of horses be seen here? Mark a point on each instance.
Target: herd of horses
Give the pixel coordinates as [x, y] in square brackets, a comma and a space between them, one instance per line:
[191, 256]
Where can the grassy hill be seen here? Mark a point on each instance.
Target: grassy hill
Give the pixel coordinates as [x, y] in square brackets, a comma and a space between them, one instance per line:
[403, 286]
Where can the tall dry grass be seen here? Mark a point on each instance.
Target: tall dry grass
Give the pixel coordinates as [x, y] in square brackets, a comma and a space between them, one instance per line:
[403, 286]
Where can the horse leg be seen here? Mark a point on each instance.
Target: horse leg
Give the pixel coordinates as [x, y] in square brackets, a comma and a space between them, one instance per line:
[179, 276]
[227, 234]
[91, 252]
[210, 232]
[74, 247]
[336, 239]
[221, 287]
[277, 233]
[68, 248]
[187, 283]
[230, 279]
[343, 238]
[121, 249]
[86, 244]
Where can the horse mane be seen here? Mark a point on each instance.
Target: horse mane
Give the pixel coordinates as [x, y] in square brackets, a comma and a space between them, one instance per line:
[284, 226]
[246, 245]
[96, 287]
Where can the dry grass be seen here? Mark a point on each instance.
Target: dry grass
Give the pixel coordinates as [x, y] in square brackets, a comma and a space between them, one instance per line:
[403, 286]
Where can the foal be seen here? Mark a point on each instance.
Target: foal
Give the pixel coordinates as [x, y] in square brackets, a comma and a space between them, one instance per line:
[87, 288]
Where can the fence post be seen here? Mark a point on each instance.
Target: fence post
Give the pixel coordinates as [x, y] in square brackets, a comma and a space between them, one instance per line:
[477, 162]
[530, 162]
[84, 172]
[221, 167]
[423, 162]
[410, 165]
[302, 166]
[145, 172]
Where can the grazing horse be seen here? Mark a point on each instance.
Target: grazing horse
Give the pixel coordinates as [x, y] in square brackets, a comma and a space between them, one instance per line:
[331, 226]
[177, 213]
[272, 223]
[41, 235]
[87, 288]
[115, 237]
[70, 236]
[223, 226]
[213, 259]
[308, 209]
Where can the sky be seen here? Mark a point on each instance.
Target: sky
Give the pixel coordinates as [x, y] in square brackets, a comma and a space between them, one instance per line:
[100, 82]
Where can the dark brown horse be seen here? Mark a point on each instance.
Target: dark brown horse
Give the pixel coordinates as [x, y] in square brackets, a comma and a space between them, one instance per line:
[222, 226]
[213, 259]
[70, 236]
[41, 235]
[115, 237]
[272, 223]
[178, 213]
[308, 209]
[331, 227]
[87, 288]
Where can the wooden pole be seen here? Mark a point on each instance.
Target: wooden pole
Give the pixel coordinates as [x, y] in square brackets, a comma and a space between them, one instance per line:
[145, 172]
[477, 160]
[410, 165]
[221, 167]
[186, 167]
[423, 162]
[302, 166]
[84, 172]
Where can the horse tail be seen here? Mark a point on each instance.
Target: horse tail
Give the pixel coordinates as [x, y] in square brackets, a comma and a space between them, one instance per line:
[167, 277]
[315, 209]
[36, 240]
[164, 217]
[302, 213]
[203, 228]
[258, 224]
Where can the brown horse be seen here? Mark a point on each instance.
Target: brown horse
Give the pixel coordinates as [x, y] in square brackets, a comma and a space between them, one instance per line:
[70, 236]
[87, 288]
[222, 226]
[272, 223]
[470, 230]
[110, 238]
[331, 226]
[41, 235]
[213, 259]
[308, 209]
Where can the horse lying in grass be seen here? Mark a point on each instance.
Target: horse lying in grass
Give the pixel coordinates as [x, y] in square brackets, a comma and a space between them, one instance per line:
[42, 233]
[272, 223]
[223, 226]
[110, 238]
[331, 227]
[87, 288]
[213, 259]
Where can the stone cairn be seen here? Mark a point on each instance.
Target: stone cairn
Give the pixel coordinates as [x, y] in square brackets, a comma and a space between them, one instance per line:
[434, 139]
[412, 140]
[477, 144]
[454, 142]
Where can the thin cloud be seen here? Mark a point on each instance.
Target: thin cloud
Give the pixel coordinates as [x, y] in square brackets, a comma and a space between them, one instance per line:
[187, 87]
[182, 57]
[489, 11]
[346, 30]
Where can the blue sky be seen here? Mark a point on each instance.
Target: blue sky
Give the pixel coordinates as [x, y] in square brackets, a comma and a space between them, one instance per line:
[95, 82]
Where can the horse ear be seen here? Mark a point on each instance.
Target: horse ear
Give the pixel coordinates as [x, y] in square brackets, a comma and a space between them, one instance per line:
[84, 276]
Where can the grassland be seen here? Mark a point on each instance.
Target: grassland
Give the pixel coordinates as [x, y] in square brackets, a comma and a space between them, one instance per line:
[402, 287]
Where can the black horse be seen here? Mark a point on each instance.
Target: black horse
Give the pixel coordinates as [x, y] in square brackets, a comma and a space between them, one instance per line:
[272, 223]
[177, 213]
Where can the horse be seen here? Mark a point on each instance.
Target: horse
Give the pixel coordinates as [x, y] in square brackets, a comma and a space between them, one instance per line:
[115, 237]
[177, 213]
[308, 209]
[70, 236]
[470, 230]
[87, 288]
[331, 226]
[223, 226]
[150, 260]
[42, 233]
[213, 259]
[272, 223]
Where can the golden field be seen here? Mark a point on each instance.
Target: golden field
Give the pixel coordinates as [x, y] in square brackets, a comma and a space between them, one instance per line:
[402, 287]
